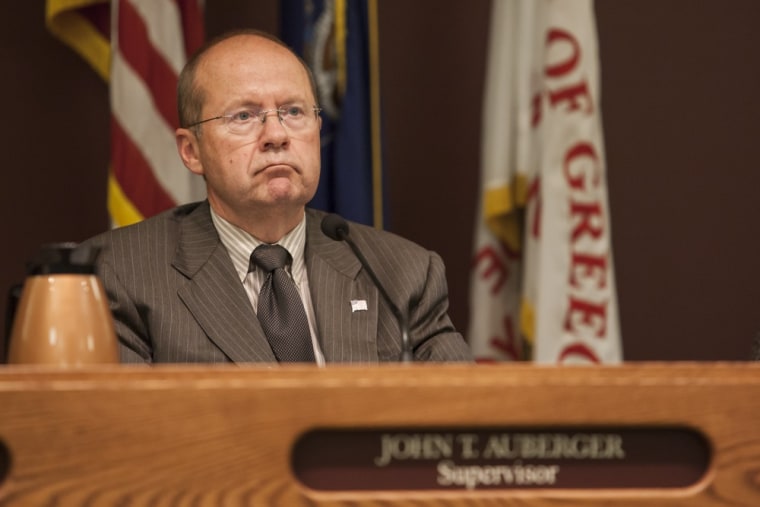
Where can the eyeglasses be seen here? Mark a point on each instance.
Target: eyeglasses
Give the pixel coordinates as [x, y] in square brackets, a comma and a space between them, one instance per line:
[250, 121]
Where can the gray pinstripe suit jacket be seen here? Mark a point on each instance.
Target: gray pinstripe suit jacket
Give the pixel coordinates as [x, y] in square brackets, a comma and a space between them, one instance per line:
[175, 295]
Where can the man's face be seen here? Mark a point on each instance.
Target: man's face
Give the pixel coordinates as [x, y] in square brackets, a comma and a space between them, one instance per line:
[273, 168]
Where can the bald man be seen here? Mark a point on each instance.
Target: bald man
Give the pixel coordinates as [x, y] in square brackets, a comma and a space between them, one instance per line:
[184, 285]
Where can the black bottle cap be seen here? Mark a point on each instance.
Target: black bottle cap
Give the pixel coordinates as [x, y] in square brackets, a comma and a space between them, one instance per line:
[59, 258]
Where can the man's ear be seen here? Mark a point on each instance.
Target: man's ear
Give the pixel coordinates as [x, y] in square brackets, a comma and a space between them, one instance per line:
[189, 152]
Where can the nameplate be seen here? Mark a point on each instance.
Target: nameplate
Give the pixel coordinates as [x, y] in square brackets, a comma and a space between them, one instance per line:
[500, 458]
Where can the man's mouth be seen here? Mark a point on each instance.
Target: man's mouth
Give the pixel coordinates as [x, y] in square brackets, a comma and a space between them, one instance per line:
[277, 168]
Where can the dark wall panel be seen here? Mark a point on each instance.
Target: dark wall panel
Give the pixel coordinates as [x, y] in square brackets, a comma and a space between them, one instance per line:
[432, 67]
[681, 112]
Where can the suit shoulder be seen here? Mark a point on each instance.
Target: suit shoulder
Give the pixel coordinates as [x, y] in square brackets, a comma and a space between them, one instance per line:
[161, 227]
[370, 238]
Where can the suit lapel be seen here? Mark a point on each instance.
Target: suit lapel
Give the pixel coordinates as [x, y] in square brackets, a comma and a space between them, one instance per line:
[214, 294]
[345, 305]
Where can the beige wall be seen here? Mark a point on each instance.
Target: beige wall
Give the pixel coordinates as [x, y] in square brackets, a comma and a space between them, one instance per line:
[679, 85]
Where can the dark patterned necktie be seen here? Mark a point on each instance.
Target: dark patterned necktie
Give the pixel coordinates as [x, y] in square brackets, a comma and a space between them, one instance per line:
[280, 309]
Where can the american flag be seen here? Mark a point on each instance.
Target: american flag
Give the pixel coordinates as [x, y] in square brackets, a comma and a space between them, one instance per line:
[139, 48]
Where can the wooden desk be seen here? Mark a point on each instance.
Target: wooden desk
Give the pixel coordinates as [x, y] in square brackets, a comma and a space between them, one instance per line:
[197, 436]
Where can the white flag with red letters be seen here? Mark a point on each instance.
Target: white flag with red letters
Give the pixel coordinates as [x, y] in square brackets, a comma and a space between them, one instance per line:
[543, 285]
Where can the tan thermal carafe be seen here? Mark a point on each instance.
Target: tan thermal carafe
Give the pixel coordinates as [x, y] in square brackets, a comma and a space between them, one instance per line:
[63, 316]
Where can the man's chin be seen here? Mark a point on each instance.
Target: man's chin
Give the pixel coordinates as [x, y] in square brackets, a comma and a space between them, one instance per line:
[285, 192]
[286, 200]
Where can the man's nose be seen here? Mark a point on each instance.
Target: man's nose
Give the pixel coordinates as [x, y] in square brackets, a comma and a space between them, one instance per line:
[273, 131]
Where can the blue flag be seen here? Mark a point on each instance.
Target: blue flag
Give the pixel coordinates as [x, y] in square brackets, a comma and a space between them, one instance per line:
[333, 37]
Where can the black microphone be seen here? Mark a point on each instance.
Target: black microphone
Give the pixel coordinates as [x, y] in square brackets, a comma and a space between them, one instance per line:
[335, 227]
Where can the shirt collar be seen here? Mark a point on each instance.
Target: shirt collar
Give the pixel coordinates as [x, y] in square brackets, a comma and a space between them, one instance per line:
[240, 245]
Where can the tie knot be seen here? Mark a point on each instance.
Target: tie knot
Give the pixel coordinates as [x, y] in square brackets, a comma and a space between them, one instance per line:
[270, 257]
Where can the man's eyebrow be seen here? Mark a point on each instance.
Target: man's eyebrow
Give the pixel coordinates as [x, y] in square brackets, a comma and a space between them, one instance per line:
[245, 103]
